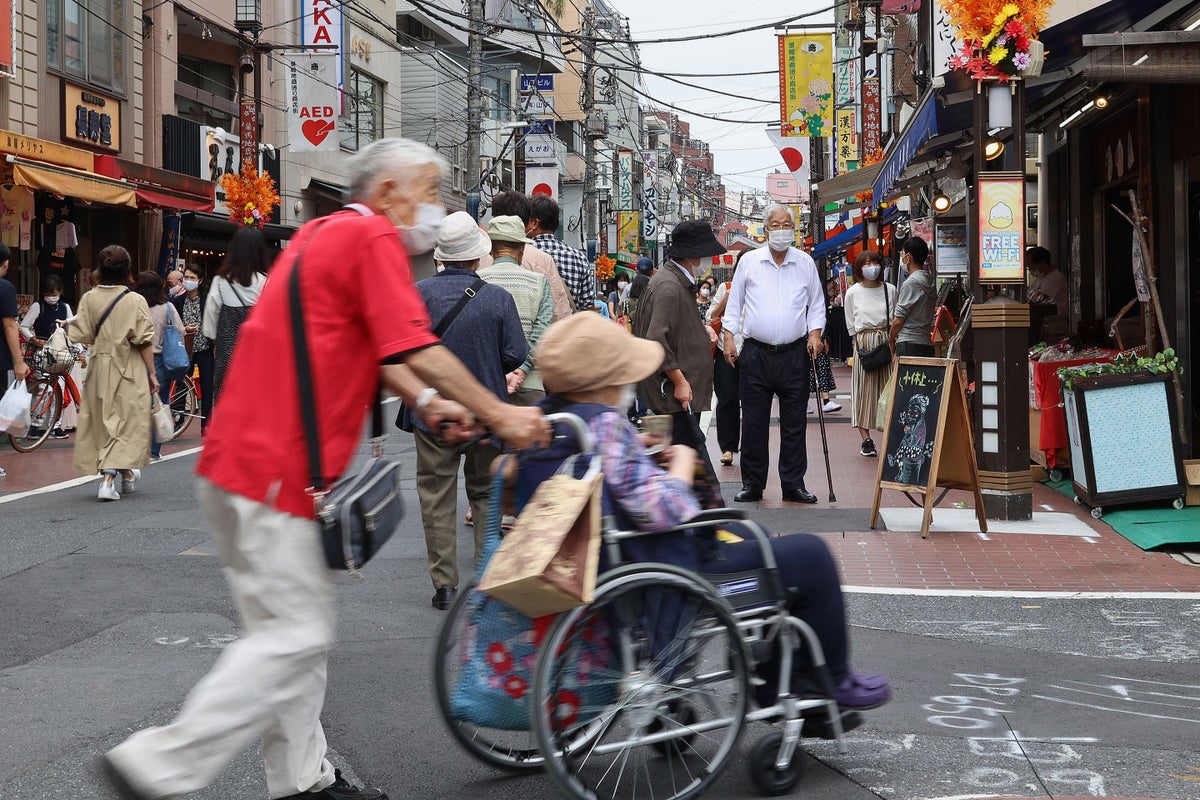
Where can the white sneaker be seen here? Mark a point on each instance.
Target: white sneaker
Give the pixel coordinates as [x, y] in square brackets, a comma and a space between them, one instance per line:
[130, 483]
[3, 474]
[830, 407]
[108, 491]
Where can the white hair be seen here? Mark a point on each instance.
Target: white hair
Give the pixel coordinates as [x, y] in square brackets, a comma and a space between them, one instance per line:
[401, 160]
[771, 209]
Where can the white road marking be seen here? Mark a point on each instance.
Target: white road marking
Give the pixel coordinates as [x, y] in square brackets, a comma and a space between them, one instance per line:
[1023, 593]
[67, 484]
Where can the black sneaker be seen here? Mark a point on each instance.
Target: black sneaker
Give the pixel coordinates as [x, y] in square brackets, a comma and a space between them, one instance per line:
[59, 433]
[340, 790]
[34, 432]
[868, 448]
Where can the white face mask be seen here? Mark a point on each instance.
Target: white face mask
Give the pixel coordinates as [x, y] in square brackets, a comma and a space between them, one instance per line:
[51, 300]
[628, 395]
[872, 273]
[704, 292]
[191, 286]
[177, 290]
[781, 240]
[422, 235]
[621, 285]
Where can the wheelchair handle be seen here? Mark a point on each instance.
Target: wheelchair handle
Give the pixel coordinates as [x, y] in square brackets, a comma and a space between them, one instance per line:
[580, 428]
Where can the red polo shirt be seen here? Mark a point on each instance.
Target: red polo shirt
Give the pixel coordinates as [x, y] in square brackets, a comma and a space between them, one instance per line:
[360, 307]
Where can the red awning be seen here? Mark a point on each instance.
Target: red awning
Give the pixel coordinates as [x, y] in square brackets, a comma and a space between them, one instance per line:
[160, 188]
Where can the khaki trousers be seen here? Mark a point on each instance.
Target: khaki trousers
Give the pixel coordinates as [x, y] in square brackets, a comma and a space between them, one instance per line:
[270, 683]
[437, 490]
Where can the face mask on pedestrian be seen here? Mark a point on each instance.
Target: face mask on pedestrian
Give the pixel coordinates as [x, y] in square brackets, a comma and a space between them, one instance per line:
[622, 285]
[628, 395]
[191, 286]
[704, 292]
[51, 299]
[177, 290]
[871, 272]
[422, 235]
[782, 239]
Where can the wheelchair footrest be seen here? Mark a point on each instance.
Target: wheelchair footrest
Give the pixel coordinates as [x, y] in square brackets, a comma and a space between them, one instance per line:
[818, 726]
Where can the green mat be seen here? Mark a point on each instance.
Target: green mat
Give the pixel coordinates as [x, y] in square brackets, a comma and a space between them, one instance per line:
[1147, 526]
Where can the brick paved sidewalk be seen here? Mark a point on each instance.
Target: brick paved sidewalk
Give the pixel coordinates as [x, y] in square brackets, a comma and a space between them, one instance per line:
[1083, 555]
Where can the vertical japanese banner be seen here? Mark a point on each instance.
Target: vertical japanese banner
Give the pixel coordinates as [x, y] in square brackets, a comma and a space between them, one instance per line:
[248, 130]
[847, 142]
[1001, 228]
[628, 227]
[168, 250]
[806, 84]
[321, 26]
[650, 199]
[8, 52]
[871, 120]
[312, 99]
[625, 181]
[542, 182]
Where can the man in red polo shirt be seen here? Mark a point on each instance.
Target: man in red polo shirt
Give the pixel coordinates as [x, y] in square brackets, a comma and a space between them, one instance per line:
[361, 311]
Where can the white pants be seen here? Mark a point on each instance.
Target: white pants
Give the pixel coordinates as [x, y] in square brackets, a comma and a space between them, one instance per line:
[270, 683]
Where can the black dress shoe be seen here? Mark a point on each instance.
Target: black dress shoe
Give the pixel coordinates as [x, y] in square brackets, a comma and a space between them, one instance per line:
[750, 494]
[443, 598]
[798, 496]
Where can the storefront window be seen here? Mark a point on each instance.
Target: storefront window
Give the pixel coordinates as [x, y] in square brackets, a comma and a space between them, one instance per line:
[86, 39]
[362, 122]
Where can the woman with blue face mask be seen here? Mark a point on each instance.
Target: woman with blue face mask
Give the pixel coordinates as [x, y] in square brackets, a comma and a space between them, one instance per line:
[867, 303]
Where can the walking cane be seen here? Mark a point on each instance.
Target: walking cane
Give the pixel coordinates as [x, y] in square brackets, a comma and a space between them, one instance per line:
[816, 387]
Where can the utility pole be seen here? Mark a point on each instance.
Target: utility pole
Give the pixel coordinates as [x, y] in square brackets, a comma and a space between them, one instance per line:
[588, 104]
[475, 10]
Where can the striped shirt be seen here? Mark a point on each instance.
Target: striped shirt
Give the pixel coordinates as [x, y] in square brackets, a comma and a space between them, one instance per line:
[574, 268]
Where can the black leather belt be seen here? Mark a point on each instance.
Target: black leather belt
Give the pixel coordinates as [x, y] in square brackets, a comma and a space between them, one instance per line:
[779, 348]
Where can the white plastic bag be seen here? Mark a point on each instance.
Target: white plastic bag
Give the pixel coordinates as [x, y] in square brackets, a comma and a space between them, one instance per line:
[58, 355]
[14, 409]
[164, 421]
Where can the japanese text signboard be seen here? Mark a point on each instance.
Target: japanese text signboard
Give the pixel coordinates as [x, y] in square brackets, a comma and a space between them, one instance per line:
[847, 142]
[625, 181]
[1001, 228]
[806, 84]
[312, 102]
[91, 118]
[871, 122]
[248, 126]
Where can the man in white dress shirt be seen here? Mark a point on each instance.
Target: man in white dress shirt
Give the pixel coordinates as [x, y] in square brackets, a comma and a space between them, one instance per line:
[777, 304]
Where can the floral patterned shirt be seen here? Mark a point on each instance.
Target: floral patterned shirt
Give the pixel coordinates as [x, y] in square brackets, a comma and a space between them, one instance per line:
[192, 316]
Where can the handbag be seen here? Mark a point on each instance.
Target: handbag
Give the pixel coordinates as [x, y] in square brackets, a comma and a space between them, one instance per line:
[175, 358]
[547, 563]
[404, 418]
[57, 357]
[879, 356]
[164, 420]
[358, 514]
[15, 417]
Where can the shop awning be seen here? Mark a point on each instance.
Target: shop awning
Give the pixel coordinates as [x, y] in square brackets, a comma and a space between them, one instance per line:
[922, 126]
[850, 236]
[160, 188]
[72, 182]
[848, 184]
[221, 226]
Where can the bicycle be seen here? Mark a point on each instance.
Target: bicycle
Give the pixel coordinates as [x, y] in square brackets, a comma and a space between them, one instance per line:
[184, 400]
[49, 383]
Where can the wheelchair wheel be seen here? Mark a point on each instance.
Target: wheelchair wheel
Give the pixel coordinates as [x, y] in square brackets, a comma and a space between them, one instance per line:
[769, 779]
[644, 692]
[514, 751]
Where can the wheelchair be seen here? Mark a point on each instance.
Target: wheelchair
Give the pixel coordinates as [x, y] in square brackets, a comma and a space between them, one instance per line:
[646, 691]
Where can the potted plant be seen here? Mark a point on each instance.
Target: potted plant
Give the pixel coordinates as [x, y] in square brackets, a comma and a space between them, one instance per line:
[1121, 426]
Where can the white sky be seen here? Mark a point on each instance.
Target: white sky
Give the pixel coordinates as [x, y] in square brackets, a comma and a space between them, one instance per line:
[742, 153]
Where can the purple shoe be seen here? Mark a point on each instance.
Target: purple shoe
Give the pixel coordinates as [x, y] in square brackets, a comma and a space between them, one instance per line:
[863, 692]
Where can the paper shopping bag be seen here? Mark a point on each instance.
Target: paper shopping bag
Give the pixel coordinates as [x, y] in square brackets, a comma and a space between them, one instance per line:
[547, 563]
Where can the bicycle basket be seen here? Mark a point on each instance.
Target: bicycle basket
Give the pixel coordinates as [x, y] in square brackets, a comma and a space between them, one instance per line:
[55, 361]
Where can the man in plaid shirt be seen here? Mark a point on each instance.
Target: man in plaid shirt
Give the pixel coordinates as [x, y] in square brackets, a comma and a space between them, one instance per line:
[572, 264]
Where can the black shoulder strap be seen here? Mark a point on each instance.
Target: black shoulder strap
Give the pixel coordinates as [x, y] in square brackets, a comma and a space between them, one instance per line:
[108, 311]
[448, 320]
[304, 376]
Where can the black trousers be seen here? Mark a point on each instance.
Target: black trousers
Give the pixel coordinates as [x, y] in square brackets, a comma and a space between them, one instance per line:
[914, 349]
[204, 360]
[683, 430]
[765, 375]
[729, 404]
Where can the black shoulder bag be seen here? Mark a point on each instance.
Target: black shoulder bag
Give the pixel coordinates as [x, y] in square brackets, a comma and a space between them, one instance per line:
[404, 419]
[107, 311]
[880, 355]
[359, 513]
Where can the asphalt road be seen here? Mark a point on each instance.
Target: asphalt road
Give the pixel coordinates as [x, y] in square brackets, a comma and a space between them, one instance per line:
[111, 612]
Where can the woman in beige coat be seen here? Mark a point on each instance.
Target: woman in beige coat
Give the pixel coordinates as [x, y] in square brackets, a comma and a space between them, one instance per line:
[114, 421]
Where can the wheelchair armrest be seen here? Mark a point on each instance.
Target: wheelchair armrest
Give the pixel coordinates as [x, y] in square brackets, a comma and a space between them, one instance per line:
[717, 515]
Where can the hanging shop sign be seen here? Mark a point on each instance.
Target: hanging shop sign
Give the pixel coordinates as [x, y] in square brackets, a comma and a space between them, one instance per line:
[91, 118]
[1001, 228]
[628, 228]
[41, 150]
[321, 27]
[625, 180]
[806, 84]
[248, 126]
[650, 197]
[847, 142]
[312, 101]
[872, 120]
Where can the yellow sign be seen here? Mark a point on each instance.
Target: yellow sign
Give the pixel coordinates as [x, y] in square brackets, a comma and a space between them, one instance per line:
[846, 149]
[91, 118]
[806, 84]
[1002, 228]
[41, 150]
[628, 227]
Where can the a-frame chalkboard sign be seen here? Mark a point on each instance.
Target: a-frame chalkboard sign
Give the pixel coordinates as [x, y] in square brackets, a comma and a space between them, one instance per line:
[927, 445]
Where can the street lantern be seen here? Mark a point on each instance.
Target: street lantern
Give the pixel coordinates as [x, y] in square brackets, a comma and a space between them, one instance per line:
[248, 15]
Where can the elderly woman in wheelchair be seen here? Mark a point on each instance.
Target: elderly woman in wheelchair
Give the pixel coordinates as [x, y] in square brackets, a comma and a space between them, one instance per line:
[701, 622]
